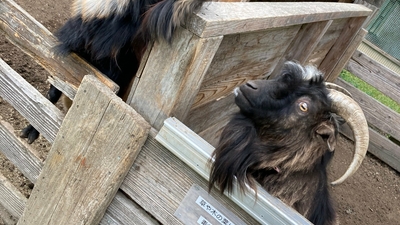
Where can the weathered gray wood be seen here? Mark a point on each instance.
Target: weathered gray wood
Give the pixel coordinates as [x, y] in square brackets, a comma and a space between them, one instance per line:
[126, 212]
[375, 112]
[22, 155]
[169, 87]
[94, 149]
[333, 60]
[346, 55]
[243, 57]
[11, 198]
[28, 101]
[150, 185]
[380, 146]
[327, 41]
[207, 120]
[121, 210]
[36, 41]
[375, 74]
[219, 18]
[305, 42]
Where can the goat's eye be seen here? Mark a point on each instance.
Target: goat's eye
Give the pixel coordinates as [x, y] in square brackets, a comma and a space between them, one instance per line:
[303, 106]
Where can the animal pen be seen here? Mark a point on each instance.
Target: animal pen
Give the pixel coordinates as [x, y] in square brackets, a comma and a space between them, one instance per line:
[128, 162]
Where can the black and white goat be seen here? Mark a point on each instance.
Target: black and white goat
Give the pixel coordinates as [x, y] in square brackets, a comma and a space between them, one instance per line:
[284, 137]
[113, 35]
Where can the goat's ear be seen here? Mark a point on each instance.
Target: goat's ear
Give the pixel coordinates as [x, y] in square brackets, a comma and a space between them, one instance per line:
[326, 131]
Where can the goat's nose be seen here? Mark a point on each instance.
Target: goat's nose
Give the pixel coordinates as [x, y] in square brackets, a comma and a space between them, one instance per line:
[251, 84]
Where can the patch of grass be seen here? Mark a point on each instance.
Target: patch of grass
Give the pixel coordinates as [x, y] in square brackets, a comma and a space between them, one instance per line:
[369, 90]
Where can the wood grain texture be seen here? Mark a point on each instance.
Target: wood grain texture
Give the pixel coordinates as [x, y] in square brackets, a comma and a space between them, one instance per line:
[36, 41]
[303, 45]
[22, 155]
[121, 210]
[220, 18]
[11, 198]
[243, 57]
[168, 87]
[29, 102]
[375, 74]
[327, 41]
[149, 183]
[380, 146]
[333, 60]
[346, 55]
[124, 211]
[375, 112]
[94, 149]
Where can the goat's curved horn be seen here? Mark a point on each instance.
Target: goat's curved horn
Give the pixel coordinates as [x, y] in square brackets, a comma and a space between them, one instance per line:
[350, 111]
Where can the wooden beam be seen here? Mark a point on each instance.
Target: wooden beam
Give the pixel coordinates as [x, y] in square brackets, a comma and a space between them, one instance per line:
[169, 88]
[375, 74]
[346, 55]
[29, 102]
[336, 57]
[11, 198]
[377, 114]
[36, 41]
[22, 155]
[303, 44]
[94, 149]
[196, 152]
[220, 18]
[380, 146]
[124, 211]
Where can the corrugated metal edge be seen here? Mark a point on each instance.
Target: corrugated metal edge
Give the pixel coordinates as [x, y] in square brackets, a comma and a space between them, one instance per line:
[195, 152]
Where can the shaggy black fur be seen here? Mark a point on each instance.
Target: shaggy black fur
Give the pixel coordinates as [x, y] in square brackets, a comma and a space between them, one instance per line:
[115, 43]
[283, 138]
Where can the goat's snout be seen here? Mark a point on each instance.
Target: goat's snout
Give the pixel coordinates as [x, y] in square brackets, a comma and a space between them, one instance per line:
[251, 84]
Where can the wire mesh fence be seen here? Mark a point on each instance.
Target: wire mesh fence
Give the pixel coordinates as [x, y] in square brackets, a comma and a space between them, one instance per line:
[384, 30]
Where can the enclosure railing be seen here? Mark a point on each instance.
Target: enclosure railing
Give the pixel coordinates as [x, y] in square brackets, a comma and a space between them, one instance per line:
[103, 148]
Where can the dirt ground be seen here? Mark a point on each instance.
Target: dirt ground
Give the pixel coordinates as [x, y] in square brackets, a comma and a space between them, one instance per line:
[370, 197]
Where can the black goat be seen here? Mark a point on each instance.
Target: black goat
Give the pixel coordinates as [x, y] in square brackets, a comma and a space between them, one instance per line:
[284, 137]
[113, 35]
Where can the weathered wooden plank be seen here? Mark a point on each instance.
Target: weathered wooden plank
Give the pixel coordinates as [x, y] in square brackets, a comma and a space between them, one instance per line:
[36, 41]
[124, 211]
[158, 182]
[28, 101]
[219, 18]
[375, 74]
[380, 146]
[243, 57]
[207, 120]
[121, 210]
[22, 155]
[375, 112]
[11, 198]
[327, 41]
[346, 55]
[332, 60]
[83, 172]
[304, 44]
[175, 84]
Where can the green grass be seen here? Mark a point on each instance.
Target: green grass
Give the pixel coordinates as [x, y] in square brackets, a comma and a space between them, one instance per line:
[371, 91]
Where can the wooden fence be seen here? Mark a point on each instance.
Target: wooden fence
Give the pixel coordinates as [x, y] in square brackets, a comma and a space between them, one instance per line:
[383, 121]
[105, 165]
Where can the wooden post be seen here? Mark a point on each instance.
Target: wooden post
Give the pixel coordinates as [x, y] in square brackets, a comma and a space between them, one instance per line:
[172, 77]
[94, 149]
[300, 49]
[332, 60]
